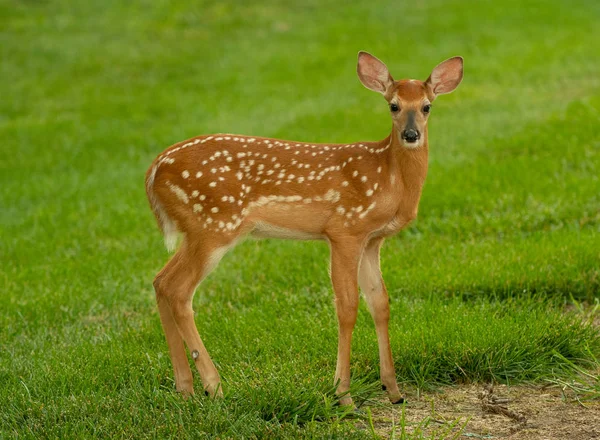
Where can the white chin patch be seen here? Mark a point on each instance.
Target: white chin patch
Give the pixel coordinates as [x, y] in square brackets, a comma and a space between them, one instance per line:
[411, 145]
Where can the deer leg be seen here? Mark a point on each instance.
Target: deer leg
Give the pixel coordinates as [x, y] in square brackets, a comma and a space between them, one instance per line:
[175, 286]
[183, 373]
[373, 287]
[345, 257]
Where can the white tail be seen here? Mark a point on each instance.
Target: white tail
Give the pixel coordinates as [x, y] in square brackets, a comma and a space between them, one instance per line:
[216, 189]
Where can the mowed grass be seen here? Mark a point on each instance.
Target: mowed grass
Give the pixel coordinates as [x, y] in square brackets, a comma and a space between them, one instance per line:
[508, 228]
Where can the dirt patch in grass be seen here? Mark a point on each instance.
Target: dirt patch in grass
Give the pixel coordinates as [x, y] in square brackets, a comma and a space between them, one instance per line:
[517, 412]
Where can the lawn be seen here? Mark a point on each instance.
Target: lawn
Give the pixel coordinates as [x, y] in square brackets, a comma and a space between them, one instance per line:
[482, 285]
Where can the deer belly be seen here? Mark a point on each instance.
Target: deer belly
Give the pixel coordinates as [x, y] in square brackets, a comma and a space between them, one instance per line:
[290, 221]
[268, 230]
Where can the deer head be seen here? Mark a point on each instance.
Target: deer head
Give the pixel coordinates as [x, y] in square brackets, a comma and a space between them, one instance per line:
[410, 101]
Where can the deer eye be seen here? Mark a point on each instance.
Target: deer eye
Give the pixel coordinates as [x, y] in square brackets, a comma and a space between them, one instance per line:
[427, 108]
[394, 107]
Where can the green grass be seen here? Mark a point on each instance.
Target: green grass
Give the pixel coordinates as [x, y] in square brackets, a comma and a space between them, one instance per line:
[508, 228]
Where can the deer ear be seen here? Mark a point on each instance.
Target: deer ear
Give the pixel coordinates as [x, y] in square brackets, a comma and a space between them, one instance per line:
[373, 74]
[446, 76]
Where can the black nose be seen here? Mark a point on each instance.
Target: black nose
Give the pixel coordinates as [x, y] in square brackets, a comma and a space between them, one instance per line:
[410, 135]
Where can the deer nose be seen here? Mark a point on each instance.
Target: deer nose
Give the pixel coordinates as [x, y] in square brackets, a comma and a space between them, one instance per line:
[411, 135]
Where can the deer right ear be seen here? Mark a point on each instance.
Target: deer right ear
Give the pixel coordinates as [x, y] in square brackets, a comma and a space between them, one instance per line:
[373, 74]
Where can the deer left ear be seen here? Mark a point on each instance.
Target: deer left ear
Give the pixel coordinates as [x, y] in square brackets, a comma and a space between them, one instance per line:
[446, 76]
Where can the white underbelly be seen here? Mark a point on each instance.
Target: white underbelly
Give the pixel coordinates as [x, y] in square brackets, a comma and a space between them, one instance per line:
[267, 230]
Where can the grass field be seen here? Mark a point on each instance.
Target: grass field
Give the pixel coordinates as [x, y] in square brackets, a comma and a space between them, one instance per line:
[507, 235]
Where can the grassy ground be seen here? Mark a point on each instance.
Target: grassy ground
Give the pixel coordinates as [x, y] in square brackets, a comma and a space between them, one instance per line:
[508, 228]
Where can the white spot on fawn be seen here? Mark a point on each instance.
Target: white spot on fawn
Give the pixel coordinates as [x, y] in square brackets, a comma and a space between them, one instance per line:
[179, 192]
[371, 206]
[332, 196]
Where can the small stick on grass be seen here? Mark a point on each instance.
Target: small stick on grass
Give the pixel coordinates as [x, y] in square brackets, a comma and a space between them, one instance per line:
[493, 404]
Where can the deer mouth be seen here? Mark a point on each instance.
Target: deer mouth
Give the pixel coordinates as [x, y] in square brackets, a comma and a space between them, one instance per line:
[411, 144]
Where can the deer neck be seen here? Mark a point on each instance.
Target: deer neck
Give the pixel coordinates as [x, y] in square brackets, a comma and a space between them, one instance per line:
[408, 169]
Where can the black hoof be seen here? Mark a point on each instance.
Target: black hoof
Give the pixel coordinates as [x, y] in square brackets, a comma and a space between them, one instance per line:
[399, 401]
[383, 387]
[206, 393]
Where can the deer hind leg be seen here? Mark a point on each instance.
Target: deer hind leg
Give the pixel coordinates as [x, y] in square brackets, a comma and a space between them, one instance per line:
[175, 286]
[373, 287]
[345, 256]
[183, 373]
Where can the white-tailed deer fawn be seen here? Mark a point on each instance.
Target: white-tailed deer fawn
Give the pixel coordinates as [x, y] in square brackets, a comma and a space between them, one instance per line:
[216, 189]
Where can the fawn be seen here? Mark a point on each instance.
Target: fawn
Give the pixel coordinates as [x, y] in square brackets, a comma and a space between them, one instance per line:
[216, 189]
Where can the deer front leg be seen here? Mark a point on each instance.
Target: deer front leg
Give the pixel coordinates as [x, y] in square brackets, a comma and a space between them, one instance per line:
[345, 256]
[373, 287]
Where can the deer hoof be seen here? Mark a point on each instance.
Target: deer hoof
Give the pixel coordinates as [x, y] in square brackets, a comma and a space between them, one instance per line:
[397, 400]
